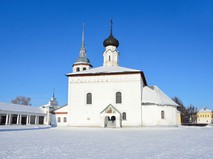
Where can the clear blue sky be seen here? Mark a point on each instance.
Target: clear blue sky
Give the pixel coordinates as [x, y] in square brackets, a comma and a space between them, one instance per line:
[171, 41]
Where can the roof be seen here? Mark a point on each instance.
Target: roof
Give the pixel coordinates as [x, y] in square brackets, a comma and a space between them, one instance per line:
[82, 60]
[60, 107]
[153, 95]
[20, 108]
[204, 110]
[108, 70]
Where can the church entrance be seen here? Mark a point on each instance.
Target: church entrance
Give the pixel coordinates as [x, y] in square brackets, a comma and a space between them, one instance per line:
[110, 117]
[110, 122]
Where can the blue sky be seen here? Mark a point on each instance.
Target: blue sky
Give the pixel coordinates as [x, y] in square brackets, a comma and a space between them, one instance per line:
[170, 41]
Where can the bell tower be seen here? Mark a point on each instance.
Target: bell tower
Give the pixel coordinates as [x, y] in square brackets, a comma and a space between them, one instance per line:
[110, 54]
[82, 63]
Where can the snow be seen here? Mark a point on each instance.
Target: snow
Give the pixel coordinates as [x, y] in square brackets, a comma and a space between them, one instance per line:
[19, 108]
[104, 143]
[106, 69]
[203, 110]
[153, 95]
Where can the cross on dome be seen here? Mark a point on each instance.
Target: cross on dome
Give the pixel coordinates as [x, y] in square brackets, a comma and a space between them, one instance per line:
[111, 40]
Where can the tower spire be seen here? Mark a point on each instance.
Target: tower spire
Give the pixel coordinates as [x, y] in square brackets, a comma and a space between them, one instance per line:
[83, 44]
[82, 63]
[111, 26]
[54, 93]
[83, 50]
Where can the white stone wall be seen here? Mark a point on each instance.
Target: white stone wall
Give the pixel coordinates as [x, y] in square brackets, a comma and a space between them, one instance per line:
[151, 115]
[103, 89]
[81, 67]
[110, 56]
[54, 117]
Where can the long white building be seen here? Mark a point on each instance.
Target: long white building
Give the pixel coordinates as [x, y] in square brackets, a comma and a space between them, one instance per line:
[112, 95]
[15, 114]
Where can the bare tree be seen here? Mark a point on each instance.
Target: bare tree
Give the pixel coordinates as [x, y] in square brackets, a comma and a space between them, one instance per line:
[192, 114]
[21, 100]
[188, 114]
[182, 109]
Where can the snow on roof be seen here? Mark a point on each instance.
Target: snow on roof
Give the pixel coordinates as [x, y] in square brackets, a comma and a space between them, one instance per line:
[105, 69]
[20, 108]
[204, 110]
[66, 105]
[153, 95]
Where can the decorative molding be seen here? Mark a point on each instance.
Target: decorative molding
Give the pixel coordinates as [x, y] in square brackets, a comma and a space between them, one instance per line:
[59, 113]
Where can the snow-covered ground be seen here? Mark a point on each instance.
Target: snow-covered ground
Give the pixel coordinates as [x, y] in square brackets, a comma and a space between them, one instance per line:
[98, 143]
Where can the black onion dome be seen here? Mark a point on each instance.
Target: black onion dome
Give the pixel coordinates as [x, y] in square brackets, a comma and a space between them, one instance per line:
[111, 41]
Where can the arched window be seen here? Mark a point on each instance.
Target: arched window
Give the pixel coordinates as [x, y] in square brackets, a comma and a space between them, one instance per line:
[77, 69]
[65, 119]
[109, 58]
[118, 97]
[124, 115]
[89, 98]
[59, 119]
[84, 68]
[162, 114]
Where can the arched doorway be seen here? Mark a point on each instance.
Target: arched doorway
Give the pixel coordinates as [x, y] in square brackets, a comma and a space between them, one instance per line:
[110, 121]
[110, 117]
[113, 120]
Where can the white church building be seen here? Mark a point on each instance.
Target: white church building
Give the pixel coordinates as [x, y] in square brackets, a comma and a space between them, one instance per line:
[112, 95]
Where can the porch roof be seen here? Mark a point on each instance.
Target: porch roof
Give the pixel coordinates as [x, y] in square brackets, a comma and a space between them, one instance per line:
[9, 107]
[110, 105]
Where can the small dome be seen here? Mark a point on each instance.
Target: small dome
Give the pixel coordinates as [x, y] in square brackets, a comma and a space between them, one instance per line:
[82, 60]
[111, 41]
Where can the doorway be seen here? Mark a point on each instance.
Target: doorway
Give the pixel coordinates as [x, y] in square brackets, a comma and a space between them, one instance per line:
[110, 121]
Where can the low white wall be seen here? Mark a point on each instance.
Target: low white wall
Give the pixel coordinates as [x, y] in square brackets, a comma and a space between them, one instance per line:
[62, 114]
[151, 115]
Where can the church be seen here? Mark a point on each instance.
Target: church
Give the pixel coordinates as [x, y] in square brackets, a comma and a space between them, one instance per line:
[112, 95]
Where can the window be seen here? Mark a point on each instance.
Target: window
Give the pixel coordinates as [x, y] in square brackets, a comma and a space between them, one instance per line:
[162, 115]
[89, 98]
[65, 119]
[124, 115]
[59, 119]
[118, 97]
[84, 68]
[109, 58]
[77, 69]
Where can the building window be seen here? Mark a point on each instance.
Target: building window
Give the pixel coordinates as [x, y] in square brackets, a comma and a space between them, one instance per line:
[118, 97]
[77, 69]
[162, 114]
[109, 58]
[65, 119]
[124, 115]
[89, 98]
[59, 119]
[84, 68]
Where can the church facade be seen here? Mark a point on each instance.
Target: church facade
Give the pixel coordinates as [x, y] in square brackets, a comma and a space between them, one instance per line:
[113, 96]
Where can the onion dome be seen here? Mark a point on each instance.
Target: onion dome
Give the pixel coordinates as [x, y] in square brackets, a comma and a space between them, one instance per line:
[111, 40]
